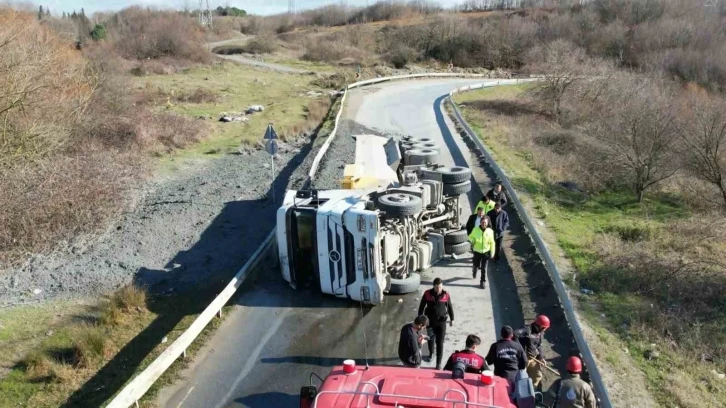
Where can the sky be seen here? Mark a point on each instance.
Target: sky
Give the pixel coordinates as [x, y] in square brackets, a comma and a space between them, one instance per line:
[261, 7]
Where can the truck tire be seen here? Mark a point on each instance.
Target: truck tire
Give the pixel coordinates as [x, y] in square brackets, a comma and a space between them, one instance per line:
[422, 156]
[426, 146]
[456, 237]
[406, 285]
[457, 249]
[399, 204]
[457, 189]
[454, 175]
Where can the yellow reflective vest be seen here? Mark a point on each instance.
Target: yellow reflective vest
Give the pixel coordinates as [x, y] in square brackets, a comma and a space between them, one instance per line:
[486, 206]
[482, 241]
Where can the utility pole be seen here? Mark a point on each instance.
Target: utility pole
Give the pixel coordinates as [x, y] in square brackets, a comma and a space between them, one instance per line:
[205, 14]
[291, 7]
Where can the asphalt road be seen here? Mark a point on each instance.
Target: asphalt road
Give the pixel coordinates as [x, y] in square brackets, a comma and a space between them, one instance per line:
[266, 349]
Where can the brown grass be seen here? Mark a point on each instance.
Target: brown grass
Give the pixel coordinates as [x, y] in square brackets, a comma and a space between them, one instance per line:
[123, 304]
[315, 112]
[91, 346]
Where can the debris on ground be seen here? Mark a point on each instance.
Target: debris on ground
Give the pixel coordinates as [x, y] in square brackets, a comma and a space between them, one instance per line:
[254, 108]
[233, 118]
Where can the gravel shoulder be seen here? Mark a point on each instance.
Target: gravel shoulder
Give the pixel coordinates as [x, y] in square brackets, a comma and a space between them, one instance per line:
[193, 228]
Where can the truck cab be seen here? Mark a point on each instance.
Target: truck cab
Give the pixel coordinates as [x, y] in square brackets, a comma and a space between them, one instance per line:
[331, 241]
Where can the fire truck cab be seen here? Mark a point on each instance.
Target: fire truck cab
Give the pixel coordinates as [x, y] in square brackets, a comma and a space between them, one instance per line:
[348, 386]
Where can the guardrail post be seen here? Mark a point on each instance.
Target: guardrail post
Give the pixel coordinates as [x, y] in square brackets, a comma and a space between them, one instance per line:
[219, 313]
[136, 403]
[184, 354]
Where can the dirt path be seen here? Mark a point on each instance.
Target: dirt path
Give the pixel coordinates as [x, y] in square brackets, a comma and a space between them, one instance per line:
[259, 63]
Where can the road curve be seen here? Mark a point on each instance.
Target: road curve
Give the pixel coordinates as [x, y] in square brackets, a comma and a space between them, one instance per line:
[266, 349]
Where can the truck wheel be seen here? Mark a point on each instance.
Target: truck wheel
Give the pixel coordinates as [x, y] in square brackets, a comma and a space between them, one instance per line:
[422, 156]
[407, 285]
[398, 204]
[457, 189]
[456, 237]
[457, 249]
[425, 146]
[454, 175]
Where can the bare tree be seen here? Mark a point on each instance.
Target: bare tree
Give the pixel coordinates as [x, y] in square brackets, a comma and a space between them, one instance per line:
[636, 124]
[702, 127]
[561, 63]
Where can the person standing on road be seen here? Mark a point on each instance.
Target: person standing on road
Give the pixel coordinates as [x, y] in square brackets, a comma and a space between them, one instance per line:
[473, 362]
[500, 223]
[409, 344]
[571, 391]
[507, 356]
[436, 305]
[474, 220]
[486, 203]
[497, 195]
[484, 247]
[530, 337]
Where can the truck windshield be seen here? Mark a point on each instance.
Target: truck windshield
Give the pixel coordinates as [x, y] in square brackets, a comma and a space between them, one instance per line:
[303, 245]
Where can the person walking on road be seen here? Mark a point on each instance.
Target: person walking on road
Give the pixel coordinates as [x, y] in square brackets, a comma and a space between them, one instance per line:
[500, 223]
[436, 306]
[507, 356]
[571, 391]
[473, 362]
[484, 247]
[497, 195]
[486, 203]
[474, 220]
[410, 341]
[530, 337]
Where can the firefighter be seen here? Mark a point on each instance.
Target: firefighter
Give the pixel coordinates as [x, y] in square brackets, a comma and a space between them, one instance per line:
[436, 305]
[473, 362]
[486, 203]
[409, 344]
[497, 195]
[484, 247]
[507, 356]
[571, 391]
[530, 337]
[500, 222]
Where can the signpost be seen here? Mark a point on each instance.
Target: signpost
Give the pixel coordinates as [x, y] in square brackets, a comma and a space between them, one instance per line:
[272, 147]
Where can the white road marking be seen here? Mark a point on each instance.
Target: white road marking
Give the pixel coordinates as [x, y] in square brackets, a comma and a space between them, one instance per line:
[253, 358]
[187, 396]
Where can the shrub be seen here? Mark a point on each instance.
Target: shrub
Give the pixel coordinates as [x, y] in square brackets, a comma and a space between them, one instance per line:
[261, 45]
[140, 34]
[125, 302]
[98, 33]
[400, 56]
[91, 346]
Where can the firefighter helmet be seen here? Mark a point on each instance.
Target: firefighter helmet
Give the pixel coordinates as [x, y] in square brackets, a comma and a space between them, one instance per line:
[574, 365]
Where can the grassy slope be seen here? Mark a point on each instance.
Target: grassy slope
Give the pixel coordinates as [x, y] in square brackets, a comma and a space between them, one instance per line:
[49, 328]
[237, 87]
[576, 219]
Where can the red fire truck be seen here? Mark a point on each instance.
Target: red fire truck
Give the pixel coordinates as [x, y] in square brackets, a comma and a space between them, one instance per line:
[348, 386]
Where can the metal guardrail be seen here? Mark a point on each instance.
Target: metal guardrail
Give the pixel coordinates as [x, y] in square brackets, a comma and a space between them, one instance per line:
[134, 390]
[562, 293]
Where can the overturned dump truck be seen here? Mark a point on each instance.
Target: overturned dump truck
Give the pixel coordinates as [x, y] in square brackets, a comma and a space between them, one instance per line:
[397, 214]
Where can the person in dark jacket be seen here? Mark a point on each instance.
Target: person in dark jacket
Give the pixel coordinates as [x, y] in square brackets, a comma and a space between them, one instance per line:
[497, 195]
[436, 305]
[507, 356]
[409, 344]
[473, 362]
[474, 220]
[500, 223]
[530, 337]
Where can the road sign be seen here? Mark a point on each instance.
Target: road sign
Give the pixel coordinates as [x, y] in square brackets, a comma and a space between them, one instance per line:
[272, 147]
[270, 133]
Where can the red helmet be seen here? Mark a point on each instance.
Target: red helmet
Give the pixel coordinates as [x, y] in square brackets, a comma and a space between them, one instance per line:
[574, 365]
[542, 321]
